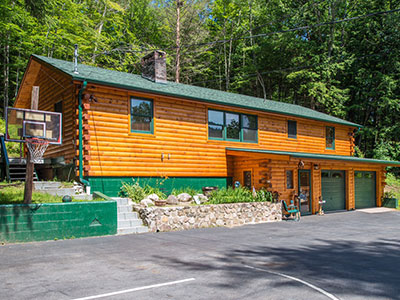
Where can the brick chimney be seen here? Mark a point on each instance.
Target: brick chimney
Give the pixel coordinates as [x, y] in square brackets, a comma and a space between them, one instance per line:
[154, 67]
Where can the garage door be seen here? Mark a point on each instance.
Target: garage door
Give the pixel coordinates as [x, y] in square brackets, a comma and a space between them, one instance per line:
[365, 185]
[333, 190]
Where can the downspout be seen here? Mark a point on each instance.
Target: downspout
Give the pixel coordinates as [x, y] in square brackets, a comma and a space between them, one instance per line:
[81, 179]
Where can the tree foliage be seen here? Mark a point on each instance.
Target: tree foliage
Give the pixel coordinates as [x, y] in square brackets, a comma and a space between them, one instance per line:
[292, 51]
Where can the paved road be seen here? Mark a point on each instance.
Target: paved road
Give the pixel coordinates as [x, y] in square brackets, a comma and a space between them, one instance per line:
[350, 255]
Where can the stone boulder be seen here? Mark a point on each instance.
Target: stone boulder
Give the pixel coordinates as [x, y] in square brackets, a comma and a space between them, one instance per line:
[153, 197]
[172, 200]
[184, 197]
[146, 202]
[200, 198]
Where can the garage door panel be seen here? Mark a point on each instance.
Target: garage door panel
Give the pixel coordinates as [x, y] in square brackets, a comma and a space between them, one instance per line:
[333, 190]
[365, 189]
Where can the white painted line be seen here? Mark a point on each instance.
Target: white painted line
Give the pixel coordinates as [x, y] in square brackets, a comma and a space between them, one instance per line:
[135, 289]
[329, 295]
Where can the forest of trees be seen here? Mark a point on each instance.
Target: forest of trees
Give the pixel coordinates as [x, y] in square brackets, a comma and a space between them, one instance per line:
[336, 56]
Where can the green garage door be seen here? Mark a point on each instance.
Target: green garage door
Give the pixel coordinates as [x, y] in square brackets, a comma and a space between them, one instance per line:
[365, 185]
[333, 190]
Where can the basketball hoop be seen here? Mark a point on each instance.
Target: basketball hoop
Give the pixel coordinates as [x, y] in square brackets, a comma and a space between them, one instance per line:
[36, 147]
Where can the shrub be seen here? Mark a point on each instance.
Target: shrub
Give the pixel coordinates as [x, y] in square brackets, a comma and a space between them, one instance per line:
[264, 196]
[238, 195]
[136, 192]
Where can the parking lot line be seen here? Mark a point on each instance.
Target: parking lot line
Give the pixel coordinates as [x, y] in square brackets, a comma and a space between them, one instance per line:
[329, 295]
[136, 289]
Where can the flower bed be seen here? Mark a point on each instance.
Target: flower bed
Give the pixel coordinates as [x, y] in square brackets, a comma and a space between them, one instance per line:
[211, 215]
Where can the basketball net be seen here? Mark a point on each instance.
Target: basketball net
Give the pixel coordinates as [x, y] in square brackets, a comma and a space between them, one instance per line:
[36, 147]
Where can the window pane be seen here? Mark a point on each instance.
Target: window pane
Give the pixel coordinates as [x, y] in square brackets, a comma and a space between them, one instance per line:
[249, 122]
[337, 175]
[215, 131]
[215, 117]
[141, 107]
[141, 123]
[232, 126]
[250, 135]
[325, 174]
[289, 179]
[368, 175]
[330, 137]
[292, 129]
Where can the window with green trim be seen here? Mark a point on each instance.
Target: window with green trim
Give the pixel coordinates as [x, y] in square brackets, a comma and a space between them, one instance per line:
[249, 128]
[232, 126]
[141, 115]
[292, 129]
[330, 137]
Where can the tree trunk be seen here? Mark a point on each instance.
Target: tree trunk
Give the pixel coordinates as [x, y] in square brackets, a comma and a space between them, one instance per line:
[178, 40]
[6, 73]
[99, 31]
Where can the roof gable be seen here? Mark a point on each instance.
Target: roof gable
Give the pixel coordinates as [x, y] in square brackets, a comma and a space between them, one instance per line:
[136, 82]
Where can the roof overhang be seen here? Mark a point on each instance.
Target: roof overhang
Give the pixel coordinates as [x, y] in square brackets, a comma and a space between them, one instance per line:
[286, 155]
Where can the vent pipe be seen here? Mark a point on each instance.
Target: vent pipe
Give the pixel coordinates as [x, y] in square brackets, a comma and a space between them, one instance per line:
[76, 59]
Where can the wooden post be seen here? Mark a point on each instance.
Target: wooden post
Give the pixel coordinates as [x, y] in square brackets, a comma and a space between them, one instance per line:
[30, 168]
[28, 179]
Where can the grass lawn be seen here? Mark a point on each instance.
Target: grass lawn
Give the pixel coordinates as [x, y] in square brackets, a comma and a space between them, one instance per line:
[15, 195]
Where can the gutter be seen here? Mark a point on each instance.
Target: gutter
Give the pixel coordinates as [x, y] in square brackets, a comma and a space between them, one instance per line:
[81, 179]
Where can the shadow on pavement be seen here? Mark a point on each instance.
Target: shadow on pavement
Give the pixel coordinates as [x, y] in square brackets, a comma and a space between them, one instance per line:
[369, 269]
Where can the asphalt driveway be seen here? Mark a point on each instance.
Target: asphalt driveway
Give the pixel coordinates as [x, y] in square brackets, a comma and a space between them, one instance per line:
[349, 255]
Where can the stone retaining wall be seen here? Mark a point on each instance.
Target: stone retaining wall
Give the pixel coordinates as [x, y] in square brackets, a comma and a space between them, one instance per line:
[188, 217]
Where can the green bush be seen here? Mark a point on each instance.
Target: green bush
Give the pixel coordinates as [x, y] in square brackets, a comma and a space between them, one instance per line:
[188, 190]
[238, 195]
[392, 189]
[136, 192]
[264, 196]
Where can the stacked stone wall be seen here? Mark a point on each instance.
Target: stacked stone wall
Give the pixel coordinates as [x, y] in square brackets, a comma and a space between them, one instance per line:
[202, 216]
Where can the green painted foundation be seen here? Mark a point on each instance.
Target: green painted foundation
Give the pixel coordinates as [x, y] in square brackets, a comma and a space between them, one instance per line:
[49, 221]
[111, 186]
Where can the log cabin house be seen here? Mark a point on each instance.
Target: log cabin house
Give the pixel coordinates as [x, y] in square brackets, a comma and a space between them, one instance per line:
[144, 127]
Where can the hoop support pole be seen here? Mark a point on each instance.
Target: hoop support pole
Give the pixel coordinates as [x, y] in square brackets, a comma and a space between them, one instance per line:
[81, 179]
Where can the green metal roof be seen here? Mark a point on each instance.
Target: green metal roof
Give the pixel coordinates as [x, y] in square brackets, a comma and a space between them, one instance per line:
[319, 156]
[136, 82]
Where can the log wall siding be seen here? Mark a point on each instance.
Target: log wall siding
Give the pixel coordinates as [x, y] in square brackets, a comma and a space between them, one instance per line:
[181, 131]
[54, 87]
[275, 172]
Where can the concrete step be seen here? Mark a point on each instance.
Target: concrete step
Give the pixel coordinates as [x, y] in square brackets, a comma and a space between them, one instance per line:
[59, 192]
[124, 208]
[130, 230]
[129, 223]
[128, 216]
[122, 201]
[43, 185]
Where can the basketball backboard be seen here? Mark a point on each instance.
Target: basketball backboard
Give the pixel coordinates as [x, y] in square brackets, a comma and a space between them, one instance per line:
[28, 123]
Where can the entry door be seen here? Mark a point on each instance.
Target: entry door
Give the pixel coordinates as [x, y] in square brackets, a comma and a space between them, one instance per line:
[333, 190]
[305, 191]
